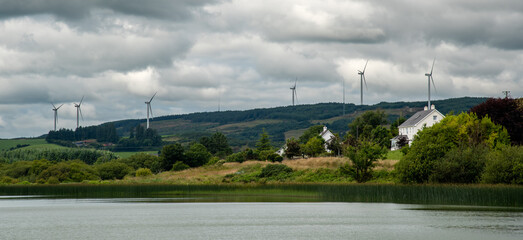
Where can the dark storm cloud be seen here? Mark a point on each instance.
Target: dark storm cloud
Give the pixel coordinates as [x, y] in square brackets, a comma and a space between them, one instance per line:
[78, 9]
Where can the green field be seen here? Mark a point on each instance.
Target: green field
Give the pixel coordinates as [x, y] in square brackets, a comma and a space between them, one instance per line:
[394, 155]
[6, 144]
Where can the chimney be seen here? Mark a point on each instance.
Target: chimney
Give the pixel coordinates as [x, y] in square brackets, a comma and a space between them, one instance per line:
[432, 106]
[425, 108]
[324, 128]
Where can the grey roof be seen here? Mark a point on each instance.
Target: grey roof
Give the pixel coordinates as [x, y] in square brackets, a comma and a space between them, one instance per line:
[416, 118]
[398, 137]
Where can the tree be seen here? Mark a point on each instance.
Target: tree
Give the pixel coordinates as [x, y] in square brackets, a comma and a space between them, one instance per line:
[505, 111]
[143, 160]
[314, 147]
[381, 136]
[402, 141]
[197, 155]
[170, 154]
[334, 145]
[363, 157]
[292, 148]
[217, 144]
[140, 133]
[311, 132]
[264, 143]
[394, 130]
[365, 123]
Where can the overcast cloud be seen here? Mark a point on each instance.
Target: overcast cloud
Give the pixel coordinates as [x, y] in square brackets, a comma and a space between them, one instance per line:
[244, 54]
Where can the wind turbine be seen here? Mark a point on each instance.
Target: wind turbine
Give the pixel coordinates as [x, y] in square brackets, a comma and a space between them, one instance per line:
[343, 80]
[149, 109]
[55, 109]
[293, 88]
[362, 80]
[429, 76]
[79, 112]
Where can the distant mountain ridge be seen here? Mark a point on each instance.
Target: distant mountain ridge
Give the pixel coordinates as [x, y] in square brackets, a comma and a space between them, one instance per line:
[243, 127]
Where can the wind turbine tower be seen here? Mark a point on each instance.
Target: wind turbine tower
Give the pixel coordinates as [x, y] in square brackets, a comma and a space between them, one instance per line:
[362, 80]
[294, 94]
[55, 109]
[149, 109]
[429, 76]
[79, 112]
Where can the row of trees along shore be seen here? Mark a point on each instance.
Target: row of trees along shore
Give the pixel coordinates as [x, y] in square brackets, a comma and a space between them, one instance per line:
[480, 146]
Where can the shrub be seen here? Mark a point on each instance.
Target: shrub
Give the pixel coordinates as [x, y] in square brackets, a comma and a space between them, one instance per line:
[504, 166]
[264, 155]
[53, 180]
[8, 180]
[143, 172]
[236, 157]
[143, 160]
[460, 165]
[213, 161]
[18, 169]
[70, 171]
[246, 174]
[275, 171]
[180, 166]
[113, 170]
[277, 158]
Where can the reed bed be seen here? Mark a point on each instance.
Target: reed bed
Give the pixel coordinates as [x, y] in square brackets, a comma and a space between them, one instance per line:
[467, 195]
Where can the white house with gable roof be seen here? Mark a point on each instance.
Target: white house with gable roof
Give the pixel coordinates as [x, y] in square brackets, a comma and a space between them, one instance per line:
[418, 121]
[327, 136]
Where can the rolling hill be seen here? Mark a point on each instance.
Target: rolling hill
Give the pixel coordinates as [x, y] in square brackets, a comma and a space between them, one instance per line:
[243, 128]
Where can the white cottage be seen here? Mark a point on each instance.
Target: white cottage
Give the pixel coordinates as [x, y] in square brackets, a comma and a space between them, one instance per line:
[327, 137]
[418, 121]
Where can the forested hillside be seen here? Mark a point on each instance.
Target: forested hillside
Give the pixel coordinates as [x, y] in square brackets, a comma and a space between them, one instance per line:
[243, 128]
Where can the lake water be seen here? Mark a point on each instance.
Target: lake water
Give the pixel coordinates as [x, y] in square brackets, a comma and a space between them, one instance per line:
[179, 218]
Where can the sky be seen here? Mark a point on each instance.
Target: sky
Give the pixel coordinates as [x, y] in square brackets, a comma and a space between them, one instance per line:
[205, 55]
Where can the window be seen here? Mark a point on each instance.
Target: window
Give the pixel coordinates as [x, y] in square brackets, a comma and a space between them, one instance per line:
[434, 117]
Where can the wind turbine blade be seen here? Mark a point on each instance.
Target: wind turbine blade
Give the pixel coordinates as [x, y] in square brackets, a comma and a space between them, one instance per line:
[81, 101]
[59, 107]
[365, 81]
[365, 66]
[432, 66]
[153, 96]
[53, 106]
[431, 78]
[81, 115]
[296, 94]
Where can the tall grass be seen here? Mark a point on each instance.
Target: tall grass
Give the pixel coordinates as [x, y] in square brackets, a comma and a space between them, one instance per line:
[477, 195]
